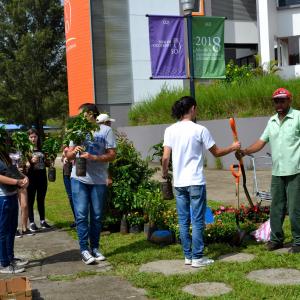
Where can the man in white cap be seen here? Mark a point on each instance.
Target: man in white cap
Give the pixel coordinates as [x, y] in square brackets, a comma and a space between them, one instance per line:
[104, 119]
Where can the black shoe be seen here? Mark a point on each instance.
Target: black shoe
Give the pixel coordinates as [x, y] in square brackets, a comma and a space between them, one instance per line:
[27, 232]
[45, 225]
[271, 246]
[18, 234]
[33, 227]
[295, 249]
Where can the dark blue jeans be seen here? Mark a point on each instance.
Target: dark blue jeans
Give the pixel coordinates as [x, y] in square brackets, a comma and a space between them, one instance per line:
[88, 200]
[194, 196]
[8, 226]
[67, 183]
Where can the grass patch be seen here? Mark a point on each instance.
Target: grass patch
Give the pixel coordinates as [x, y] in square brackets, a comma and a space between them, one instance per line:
[127, 252]
[217, 101]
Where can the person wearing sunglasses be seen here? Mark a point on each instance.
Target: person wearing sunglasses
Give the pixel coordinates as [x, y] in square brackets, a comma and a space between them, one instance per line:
[283, 134]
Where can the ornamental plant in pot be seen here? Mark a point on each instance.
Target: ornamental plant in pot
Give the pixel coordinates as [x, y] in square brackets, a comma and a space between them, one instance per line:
[78, 129]
[51, 147]
[166, 186]
[136, 221]
[22, 147]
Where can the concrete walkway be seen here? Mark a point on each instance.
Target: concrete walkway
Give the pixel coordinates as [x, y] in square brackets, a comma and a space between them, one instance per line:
[54, 254]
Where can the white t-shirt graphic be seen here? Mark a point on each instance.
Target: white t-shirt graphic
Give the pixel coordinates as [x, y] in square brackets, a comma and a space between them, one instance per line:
[188, 142]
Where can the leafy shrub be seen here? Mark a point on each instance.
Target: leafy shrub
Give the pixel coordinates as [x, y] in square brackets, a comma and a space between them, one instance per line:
[154, 208]
[135, 218]
[157, 154]
[77, 130]
[21, 143]
[51, 147]
[236, 74]
[170, 221]
[131, 177]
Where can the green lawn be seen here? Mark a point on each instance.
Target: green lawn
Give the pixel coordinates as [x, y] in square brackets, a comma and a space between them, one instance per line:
[127, 252]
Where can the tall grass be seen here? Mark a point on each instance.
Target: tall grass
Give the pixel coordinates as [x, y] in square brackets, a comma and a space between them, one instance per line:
[217, 101]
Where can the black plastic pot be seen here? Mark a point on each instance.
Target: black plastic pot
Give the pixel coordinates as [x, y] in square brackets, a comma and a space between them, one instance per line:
[80, 163]
[67, 168]
[134, 229]
[167, 190]
[51, 174]
[123, 225]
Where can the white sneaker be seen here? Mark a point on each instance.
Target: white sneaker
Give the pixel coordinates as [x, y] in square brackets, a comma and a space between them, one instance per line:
[201, 262]
[98, 255]
[187, 261]
[87, 258]
[11, 269]
[19, 262]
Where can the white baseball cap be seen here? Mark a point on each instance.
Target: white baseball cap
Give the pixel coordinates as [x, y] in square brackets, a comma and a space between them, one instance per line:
[104, 118]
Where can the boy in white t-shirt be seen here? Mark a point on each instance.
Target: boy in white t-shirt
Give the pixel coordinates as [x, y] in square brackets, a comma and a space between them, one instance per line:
[187, 141]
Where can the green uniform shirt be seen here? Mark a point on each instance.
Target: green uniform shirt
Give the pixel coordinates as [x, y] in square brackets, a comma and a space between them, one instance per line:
[284, 138]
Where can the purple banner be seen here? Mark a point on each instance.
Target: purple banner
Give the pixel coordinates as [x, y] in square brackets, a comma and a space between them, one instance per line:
[166, 35]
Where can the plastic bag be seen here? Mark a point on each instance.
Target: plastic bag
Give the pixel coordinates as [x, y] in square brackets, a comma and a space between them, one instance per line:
[263, 232]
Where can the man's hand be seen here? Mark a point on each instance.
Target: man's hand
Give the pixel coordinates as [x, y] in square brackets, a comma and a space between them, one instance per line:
[78, 149]
[239, 154]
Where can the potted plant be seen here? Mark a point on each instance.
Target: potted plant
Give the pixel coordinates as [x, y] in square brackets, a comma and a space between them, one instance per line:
[78, 129]
[22, 147]
[154, 208]
[135, 220]
[131, 179]
[166, 186]
[51, 147]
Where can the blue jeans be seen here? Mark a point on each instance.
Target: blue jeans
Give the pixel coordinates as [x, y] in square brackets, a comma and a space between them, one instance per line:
[68, 188]
[8, 226]
[194, 196]
[88, 200]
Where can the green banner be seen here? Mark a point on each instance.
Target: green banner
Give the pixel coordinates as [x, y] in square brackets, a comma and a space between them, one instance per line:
[208, 47]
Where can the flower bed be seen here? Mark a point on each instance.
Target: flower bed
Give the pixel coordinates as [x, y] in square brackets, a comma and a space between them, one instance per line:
[224, 229]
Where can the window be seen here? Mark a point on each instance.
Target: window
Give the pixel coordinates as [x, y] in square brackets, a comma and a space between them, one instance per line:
[289, 51]
[283, 3]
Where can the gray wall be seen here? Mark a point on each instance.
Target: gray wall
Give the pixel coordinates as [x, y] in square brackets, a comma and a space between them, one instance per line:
[249, 130]
[234, 9]
[112, 58]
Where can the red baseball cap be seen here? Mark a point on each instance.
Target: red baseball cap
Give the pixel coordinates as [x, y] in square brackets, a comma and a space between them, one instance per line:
[282, 93]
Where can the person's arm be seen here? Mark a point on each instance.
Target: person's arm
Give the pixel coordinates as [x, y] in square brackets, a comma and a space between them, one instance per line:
[72, 151]
[109, 155]
[11, 181]
[217, 152]
[165, 161]
[258, 145]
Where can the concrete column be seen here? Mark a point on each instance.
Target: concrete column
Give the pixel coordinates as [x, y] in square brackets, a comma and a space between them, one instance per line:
[266, 21]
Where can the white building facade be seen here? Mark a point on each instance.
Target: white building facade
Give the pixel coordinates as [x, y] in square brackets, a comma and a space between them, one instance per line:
[279, 34]
[121, 52]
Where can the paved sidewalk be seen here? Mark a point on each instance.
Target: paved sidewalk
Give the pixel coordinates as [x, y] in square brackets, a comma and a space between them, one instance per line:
[54, 253]
[220, 185]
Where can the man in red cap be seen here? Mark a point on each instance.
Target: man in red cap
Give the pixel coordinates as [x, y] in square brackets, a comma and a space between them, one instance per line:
[283, 134]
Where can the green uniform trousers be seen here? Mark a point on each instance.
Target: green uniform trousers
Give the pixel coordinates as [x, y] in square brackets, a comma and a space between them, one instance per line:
[285, 191]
